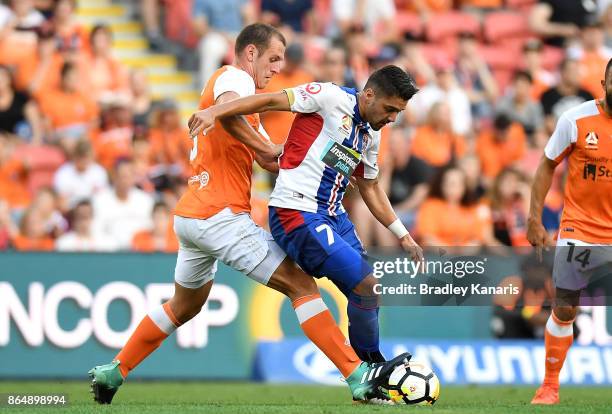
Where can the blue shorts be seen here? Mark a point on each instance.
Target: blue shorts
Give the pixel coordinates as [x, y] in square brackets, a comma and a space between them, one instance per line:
[321, 245]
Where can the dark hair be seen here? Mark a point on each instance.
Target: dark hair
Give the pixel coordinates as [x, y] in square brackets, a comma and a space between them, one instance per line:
[160, 205]
[259, 35]
[608, 68]
[523, 74]
[72, 213]
[391, 81]
[67, 67]
[502, 121]
[100, 28]
[565, 62]
[435, 190]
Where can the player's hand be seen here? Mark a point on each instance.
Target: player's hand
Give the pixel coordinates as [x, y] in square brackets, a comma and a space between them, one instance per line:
[412, 248]
[201, 121]
[538, 236]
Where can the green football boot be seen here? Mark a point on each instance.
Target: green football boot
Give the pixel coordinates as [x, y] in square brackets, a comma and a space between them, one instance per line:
[105, 381]
[368, 381]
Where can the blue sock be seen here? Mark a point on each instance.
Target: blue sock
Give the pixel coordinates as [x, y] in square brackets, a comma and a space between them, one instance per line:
[363, 326]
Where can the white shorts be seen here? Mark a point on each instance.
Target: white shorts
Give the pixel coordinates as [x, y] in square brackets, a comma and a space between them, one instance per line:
[577, 263]
[234, 239]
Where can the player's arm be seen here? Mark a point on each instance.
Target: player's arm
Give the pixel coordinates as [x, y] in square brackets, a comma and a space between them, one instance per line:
[536, 233]
[204, 120]
[379, 205]
[560, 144]
[238, 127]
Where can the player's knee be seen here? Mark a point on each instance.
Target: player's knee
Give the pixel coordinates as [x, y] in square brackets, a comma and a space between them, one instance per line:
[366, 286]
[565, 313]
[292, 282]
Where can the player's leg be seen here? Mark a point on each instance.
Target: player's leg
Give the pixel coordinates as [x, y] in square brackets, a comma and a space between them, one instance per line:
[194, 274]
[363, 303]
[558, 338]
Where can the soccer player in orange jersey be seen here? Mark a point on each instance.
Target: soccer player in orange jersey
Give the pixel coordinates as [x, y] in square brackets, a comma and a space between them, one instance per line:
[212, 223]
[583, 136]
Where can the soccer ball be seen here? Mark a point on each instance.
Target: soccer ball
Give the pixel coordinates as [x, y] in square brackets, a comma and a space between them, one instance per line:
[414, 384]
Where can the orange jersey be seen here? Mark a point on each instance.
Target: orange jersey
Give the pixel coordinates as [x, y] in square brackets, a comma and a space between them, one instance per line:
[584, 136]
[221, 166]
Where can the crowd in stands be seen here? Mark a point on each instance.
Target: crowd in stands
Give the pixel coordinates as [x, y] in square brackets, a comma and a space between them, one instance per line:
[90, 162]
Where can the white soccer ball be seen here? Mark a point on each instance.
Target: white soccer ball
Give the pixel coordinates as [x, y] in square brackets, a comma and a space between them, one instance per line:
[414, 383]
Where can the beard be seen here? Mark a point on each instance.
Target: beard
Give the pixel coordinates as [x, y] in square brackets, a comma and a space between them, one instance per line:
[609, 99]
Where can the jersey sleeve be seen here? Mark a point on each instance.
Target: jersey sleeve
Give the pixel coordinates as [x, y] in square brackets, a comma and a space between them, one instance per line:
[311, 97]
[368, 167]
[236, 81]
[562, 140]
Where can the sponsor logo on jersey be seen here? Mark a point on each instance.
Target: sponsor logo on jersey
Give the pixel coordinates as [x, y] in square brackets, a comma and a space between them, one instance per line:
[313, 88]
[347, 125]
[595, 172]
[297, 195]
[342, 159]
[201, 178]
[591, 141]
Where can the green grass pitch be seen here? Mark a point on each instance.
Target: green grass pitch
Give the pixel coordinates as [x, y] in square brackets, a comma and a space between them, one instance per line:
[229, 397]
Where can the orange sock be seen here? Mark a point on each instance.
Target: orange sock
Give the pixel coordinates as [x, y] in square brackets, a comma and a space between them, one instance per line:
[319, 326]
[558, 338]
[148, 336]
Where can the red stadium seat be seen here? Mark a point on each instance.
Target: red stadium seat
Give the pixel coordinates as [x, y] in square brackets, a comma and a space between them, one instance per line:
[409, 23]
[552, 57]
[43, 162]
[500, 26]
[500, 58]
[503, 78]
[448, 25]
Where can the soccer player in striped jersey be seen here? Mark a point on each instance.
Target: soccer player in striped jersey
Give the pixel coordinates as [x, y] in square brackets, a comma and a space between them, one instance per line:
[335, 136]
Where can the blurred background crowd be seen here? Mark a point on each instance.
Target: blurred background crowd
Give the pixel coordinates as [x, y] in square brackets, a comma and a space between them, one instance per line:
[94, 95]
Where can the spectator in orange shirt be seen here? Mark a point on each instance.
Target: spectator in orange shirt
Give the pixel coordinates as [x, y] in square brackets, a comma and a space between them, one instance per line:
[106, 74]
[170, 141]
[501, 146]
[592, 57]
[161, 237]
[13, 174]
[32, 233]
[144, 171]
[69, 33]
[449, 217]
[112, 141]
[70, 114]
[435, 143]
[277, 124]
[17, 30]
[39, 70]
[510, 194]
[542, 78]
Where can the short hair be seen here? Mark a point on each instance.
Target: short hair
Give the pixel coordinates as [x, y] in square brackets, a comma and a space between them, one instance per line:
[391, 80]
[258, 34]
[608, 68]
[67, 67]
[523, 74]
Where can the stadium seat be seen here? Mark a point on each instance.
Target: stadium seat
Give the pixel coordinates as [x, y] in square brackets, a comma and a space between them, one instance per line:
[409, 23]
[43, 162]
[500, 58]
[552, 57]
[503, 78]
[448, 25]
[500, 26]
